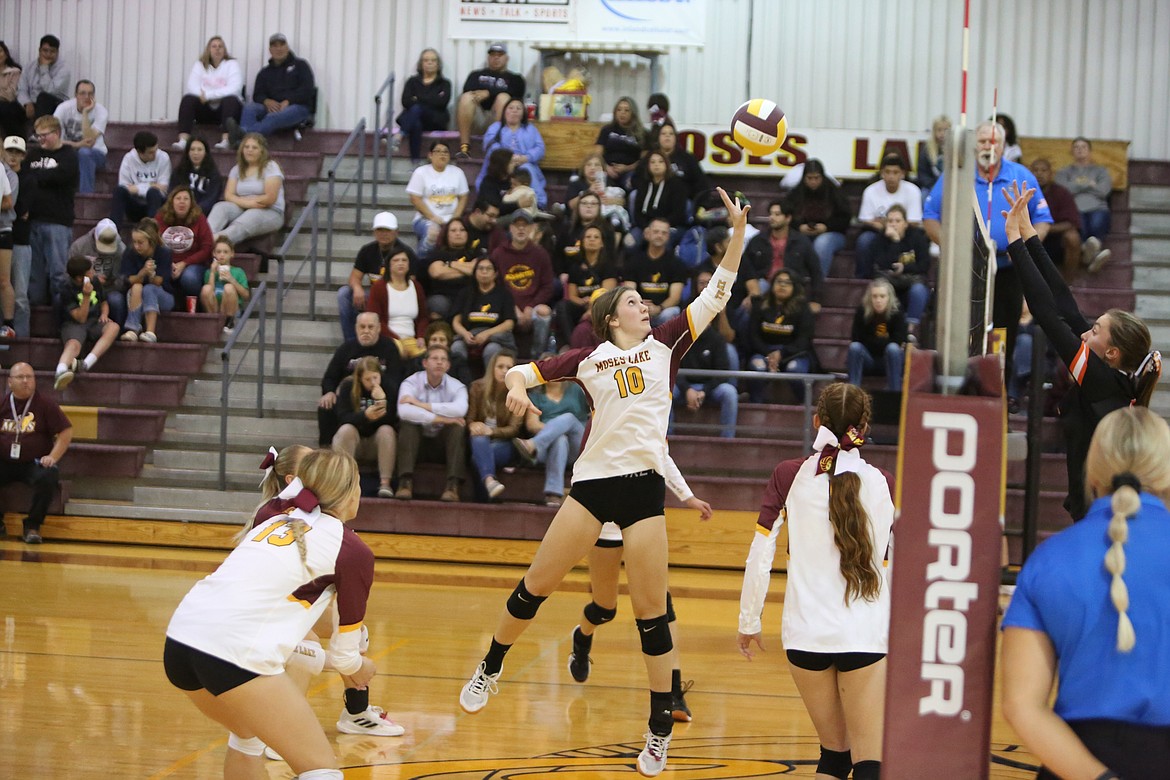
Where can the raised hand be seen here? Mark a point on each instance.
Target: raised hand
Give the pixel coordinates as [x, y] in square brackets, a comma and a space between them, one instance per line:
[1017, 220]
[737, 214]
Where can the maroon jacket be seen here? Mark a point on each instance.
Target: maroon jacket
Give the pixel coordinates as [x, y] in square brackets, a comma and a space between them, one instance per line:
[527, 273]
[200, 251]
[378, 301]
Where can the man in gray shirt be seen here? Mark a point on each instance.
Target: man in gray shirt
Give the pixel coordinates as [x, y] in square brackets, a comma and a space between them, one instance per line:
[45, 85]
[1091, 186]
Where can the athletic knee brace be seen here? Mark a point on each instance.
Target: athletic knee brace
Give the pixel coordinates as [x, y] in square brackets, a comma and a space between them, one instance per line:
[655, 635]
[867, 770]
[522, 605]
[835, 763]
[322, 774]
[308, 656]
[599, 615]
[669, 608]
[249, 747]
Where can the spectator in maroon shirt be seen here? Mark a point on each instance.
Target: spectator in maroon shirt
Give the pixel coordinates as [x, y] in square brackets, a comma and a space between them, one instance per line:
[527, 273]
[1063, 242]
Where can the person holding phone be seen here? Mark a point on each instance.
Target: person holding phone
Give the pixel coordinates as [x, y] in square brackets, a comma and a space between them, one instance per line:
[367, 424]
[224, 285]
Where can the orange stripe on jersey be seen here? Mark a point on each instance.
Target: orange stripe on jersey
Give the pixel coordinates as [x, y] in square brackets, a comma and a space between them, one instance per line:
[540, 378]
[302, 602]
[1079, 364]
[762, 530]
[691, 325]
[347, 629]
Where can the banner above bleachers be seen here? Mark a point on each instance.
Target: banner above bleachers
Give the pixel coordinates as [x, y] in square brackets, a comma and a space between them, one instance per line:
[629, 22]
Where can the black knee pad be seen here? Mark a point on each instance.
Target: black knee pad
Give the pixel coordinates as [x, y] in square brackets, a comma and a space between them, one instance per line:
[669, 608]
[599, 615]
[522, 605]
[655, 635]
[835, 763]
[867, 770]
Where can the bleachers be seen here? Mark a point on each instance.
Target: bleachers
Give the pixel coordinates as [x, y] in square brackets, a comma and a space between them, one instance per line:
[729, 473]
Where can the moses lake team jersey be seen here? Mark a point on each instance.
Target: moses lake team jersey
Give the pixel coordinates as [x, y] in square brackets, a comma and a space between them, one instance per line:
[629, 391]
[261, 601]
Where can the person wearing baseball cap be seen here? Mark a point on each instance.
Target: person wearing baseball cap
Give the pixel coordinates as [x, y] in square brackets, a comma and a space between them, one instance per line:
[371, 262]
[485, 93]
[9, 189]
[284, 96]
[104, 248]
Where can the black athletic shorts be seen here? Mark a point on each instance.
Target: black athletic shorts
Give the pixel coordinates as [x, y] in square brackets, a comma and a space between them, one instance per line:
[189, 669]
[623, 500]
[6, 241]
[1130, 750]
[609, 543]
[844, 662]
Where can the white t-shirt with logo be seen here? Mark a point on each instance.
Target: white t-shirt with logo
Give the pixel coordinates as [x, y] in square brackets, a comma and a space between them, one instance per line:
[440, 189]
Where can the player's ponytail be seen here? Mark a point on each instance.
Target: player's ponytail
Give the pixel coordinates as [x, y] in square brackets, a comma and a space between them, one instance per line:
[277, 469]
[1125, 503]
[1126, 457]
[844, 410]
[1145, 379]
[1131, 337]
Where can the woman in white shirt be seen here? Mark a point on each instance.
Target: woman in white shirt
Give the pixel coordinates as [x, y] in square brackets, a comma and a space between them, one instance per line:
[214, 89]
[253, 201]
[836, 620]
[401, 306]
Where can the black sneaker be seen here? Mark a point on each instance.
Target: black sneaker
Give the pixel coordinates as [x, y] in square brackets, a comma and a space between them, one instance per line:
[678, 704]
[229, 324]
[579, 659]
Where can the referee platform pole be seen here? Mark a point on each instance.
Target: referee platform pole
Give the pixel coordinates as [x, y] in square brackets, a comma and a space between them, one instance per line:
[949, 514]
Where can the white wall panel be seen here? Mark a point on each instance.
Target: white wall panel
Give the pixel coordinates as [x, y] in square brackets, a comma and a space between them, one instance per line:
[1063, 67]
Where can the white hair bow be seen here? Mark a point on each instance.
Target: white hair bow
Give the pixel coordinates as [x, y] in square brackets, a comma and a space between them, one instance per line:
[835, 457]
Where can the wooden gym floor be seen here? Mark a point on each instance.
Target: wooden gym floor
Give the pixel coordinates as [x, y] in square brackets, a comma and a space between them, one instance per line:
[82, 691]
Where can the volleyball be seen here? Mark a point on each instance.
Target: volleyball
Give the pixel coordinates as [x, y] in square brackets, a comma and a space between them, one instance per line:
[759, 127]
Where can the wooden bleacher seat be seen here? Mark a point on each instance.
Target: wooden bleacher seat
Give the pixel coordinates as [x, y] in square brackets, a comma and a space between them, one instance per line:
[100, 423]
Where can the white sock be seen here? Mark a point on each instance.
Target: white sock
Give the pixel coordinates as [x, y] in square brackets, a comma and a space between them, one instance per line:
[62, 368]
[89, 361]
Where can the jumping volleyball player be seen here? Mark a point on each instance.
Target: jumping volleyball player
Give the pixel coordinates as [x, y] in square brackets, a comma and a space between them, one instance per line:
[618, 476]
[1110, 360]
[229, 638]
[836, 619]
[605, 564]
[308, 658]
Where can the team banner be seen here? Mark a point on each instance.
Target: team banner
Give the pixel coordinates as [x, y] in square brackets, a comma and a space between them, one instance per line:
[846, 154]
[945, 578]
[656, 23]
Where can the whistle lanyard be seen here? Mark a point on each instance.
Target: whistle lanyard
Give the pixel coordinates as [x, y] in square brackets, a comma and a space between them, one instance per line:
[19, 421]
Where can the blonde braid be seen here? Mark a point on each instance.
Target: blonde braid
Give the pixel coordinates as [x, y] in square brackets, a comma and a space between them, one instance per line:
[1125, 503]
[299, 527]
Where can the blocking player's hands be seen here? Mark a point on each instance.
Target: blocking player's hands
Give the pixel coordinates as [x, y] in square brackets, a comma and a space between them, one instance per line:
[736, 215]
[704, 509]
[1017, 220]
[744, 642]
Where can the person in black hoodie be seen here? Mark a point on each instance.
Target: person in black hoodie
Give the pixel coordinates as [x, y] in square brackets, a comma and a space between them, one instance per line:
[780, 246]
[197, 170]
[901, 255]
[878, 333]
[366, 420]
[284, 96]
[820, 211]
[660, 196]
[55, 171]
[780, 332]
[664, 138]
[369, 343]
[1110, 360]
[425, 97]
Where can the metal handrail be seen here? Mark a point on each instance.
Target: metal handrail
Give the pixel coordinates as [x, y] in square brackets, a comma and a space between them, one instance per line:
[309, 212]
[382, 128]
[258, 302]
[806, 379]
[358, 132]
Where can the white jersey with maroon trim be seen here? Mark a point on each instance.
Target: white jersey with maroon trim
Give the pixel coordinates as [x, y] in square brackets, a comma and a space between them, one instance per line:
[629, 391]
[816, 618]
[261, 601]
